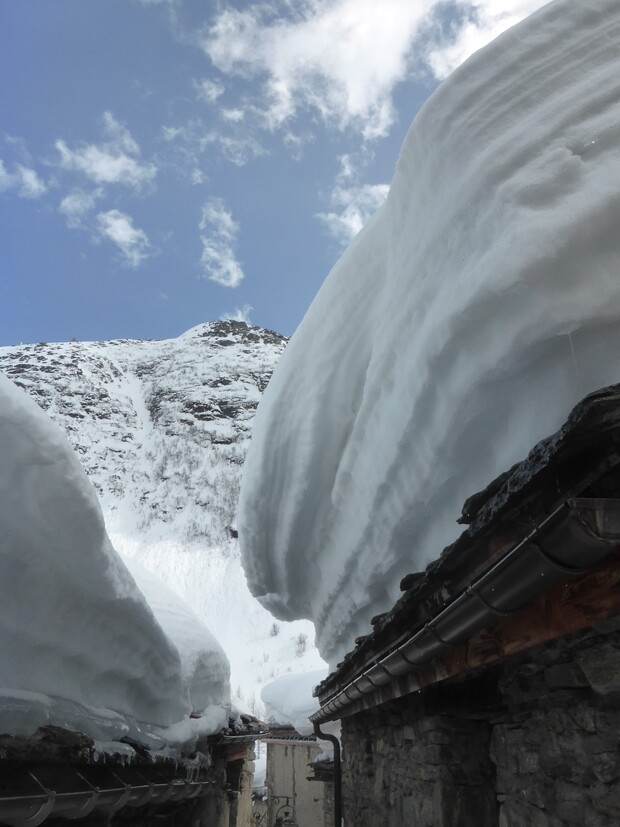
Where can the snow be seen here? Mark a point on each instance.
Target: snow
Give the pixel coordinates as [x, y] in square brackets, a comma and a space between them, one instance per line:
[162, 427]
[461, 325]
[260, 770]
[204, 666]
[288, 699]
[80, 646]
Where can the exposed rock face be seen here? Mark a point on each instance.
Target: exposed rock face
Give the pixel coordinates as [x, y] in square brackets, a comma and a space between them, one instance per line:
[162, 429]
[163, 424]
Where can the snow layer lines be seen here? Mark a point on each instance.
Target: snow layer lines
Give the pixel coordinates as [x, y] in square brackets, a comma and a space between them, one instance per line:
[459, 328]
[79, 644]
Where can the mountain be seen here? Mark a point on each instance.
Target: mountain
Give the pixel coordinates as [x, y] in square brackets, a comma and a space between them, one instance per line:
[162, 429]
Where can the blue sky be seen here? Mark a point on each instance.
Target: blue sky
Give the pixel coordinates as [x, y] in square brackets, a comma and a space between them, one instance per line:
[169, 162]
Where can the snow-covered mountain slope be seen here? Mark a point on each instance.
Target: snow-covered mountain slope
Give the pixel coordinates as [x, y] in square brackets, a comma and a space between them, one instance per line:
[459, 328]
[162, 429]
[81, 644]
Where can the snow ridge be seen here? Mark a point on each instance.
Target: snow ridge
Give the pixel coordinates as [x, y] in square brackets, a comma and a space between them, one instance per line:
[459, 328]
[79, 643]
[162, 428]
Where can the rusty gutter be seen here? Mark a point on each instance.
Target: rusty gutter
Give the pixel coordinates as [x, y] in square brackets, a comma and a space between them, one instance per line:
[572, 539]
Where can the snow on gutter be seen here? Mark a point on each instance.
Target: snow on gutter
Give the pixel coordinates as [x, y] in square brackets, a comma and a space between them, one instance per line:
[575, 537]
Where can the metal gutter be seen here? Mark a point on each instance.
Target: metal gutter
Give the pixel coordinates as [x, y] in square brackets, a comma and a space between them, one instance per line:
[30, 810]
[572, 539]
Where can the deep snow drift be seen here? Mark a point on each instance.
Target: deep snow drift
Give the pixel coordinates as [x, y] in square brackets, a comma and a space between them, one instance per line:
[460, 327]
[80, 646]
[289, 700]
[162, 428]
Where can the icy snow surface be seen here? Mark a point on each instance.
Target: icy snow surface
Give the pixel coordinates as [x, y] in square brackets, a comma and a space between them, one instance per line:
[79, 644]
[459, 327]
[288, 699]
[162, 428]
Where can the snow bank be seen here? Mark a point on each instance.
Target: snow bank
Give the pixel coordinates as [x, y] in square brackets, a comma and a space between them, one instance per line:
[288, 699]
[204, 666]
[460, 326]
[79, 646]
[162, 428]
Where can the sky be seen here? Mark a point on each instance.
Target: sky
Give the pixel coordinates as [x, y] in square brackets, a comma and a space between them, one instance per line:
[169, 162]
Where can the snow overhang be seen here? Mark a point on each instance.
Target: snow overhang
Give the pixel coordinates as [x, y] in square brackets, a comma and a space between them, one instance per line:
[552, 519]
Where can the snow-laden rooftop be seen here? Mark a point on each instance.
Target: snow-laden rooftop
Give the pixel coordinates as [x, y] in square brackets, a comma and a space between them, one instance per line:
[83, 643]
[289, 699]
[459, 328]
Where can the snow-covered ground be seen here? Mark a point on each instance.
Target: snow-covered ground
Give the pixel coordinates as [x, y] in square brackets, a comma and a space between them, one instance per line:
[82, 643]
[460, 326]
[162, 428]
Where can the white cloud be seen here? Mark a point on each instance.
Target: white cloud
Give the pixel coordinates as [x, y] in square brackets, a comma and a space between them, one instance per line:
[77, 205]
[354, 206]
[343, 59]
[118, 228]
[6, 180]
[239, 149]
[29, 185]
[114, 161]
[208, 90]
[194, 139]
[239, 314]
[24, 180]
[218, 233]
[232, 115]
[489, 18]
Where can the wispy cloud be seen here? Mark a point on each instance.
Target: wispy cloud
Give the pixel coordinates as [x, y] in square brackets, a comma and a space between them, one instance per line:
[208, 90]
[133, 243]
[24, 181]
[342, 59]
[77, 204]
[116, 160]
[353, 206]
[239, 314]
[218, 233]
[190, 143]
[484, 20]
[348, 85]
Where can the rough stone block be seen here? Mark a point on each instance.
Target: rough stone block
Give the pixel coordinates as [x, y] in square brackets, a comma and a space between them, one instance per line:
[606, 799]
[601, 667]
[606, 766]
[564, 675]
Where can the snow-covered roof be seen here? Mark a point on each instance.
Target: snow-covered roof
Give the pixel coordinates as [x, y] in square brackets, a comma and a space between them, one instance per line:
[459, 328]
[289, 700]
[162, 428]
[80, 645]
[550, 524]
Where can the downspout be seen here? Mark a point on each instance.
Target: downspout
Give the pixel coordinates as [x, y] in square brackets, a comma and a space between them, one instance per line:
[324, 736]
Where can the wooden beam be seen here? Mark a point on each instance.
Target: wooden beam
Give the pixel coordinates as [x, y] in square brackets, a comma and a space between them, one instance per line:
[568, 607]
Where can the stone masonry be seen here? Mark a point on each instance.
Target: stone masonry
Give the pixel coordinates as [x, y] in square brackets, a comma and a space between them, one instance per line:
[532, 743]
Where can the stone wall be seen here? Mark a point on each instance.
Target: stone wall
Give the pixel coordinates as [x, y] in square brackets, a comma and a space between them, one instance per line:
[533, 743]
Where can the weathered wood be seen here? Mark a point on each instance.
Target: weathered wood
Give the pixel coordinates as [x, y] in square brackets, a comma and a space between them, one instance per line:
[567, 607]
